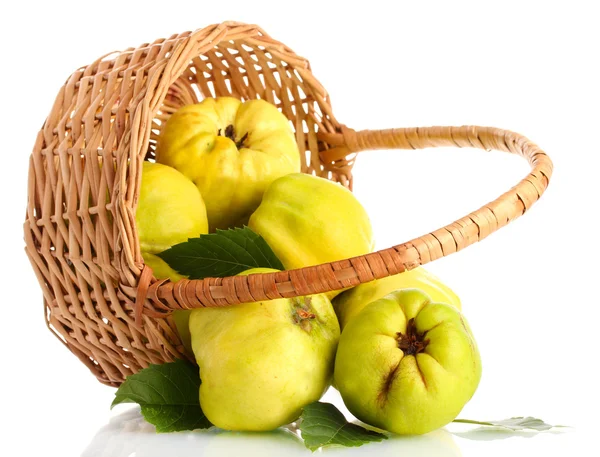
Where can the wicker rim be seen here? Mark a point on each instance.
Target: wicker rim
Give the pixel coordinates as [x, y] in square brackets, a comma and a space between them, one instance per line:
[161, 297]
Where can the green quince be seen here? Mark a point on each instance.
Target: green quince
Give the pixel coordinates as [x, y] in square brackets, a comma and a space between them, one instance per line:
[262, 362]
[308, 220]
[406, 364]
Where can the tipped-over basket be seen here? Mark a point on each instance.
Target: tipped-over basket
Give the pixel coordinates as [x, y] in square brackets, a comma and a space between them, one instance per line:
[100, 299]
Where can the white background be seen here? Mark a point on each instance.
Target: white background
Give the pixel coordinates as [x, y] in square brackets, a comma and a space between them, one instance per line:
[530, 291]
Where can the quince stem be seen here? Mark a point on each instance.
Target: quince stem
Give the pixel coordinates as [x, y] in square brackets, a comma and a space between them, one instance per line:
[230, 133]
[303, 314]
[412, 342]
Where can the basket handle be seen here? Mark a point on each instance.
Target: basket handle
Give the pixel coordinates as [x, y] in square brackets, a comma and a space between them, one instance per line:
[162, 297]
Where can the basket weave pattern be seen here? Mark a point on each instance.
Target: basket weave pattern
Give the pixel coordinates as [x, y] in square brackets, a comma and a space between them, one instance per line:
[85, 172]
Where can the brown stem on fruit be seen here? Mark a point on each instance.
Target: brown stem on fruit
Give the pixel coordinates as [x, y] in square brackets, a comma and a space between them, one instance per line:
[303, 313]
[230, 133]
[240, 144]
[412, 342]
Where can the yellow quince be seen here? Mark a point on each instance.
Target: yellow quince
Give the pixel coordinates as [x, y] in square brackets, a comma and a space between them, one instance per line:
[232, 151]
[170, 210]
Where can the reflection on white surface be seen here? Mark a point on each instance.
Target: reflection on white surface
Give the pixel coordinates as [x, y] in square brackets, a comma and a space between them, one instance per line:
[128, 435]
[499, 433]
[438, 443]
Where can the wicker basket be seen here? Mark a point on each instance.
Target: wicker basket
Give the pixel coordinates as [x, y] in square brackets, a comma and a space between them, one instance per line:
[99, 298]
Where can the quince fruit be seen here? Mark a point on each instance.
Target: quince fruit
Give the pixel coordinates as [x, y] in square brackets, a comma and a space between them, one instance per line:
[261, 363]
[406, 364]
[308, 220]
[170, 210]
[232, 151]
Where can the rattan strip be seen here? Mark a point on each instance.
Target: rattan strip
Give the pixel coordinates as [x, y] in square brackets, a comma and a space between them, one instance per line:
[419, 251]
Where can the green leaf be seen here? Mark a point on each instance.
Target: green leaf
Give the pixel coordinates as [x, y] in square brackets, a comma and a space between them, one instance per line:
[514, 423]
[322, 424]
[167, 395]
[220, 254]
